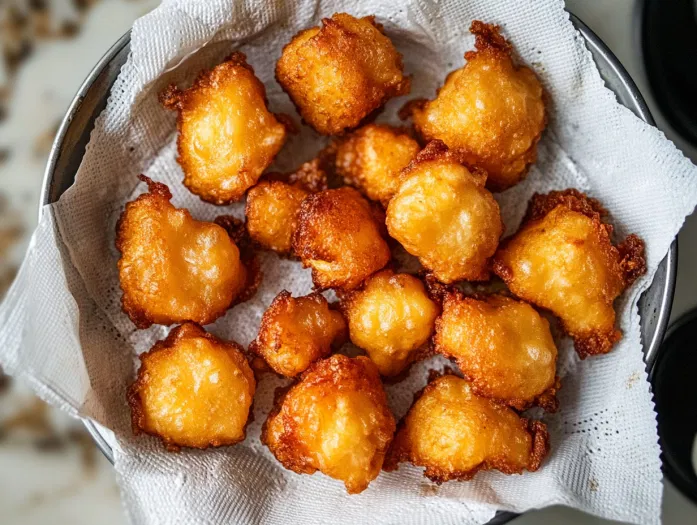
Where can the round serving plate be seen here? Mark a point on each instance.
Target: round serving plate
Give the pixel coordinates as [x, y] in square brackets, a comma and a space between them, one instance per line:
[74, 134]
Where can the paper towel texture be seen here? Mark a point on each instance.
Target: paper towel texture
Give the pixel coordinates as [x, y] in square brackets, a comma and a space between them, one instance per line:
[62, 327]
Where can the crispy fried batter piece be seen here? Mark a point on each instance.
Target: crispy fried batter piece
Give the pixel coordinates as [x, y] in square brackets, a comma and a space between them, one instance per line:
[338, 237]
[193, 390]
[562, 259]
[340, 73]
[491, 112]
[227, 136]
[372, 157]
[174, 268]
[391, 318]
[295, 333]
[443, 215]
[454, 434]
[503, 346]
[335, 420]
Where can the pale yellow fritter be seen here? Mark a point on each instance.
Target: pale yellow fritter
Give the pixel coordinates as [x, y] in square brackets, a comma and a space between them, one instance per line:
[193, 390]
[340, 73]
[391, 318]
[296, 332]
[491, 112]
[503, 346]
[227, 136]
[372, 157]
[454, 434]
[335, 420]
[174, 268]
[562, 258]
[339, 237]
[443, 214]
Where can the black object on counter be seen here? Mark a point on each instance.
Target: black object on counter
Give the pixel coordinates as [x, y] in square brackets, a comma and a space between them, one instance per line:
[674, 380]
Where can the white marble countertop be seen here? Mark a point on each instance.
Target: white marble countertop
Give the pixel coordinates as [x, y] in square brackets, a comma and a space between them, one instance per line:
[49, 470]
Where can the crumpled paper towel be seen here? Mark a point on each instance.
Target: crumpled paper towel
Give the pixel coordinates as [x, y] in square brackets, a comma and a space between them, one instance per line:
[62, 328]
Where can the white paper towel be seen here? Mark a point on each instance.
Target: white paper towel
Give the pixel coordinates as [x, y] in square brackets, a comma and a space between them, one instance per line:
[62, 328]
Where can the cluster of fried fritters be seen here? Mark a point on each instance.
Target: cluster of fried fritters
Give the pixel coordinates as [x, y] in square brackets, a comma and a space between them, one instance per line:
[374, 188]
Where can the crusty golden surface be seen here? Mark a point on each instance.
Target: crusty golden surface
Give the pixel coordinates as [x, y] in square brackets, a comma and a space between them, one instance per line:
[295, 332]
[443, 215]
[371, 158]
[391, 318]
[562, 259]
[454, 434]
[503, 346]
[340, 73]
[227, 136]
[338, 237]
[490, 112]
[193, 390]
[335, 420]
[174, 268]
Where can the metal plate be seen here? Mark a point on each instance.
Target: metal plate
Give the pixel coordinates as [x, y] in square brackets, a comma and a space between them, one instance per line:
[74, 133]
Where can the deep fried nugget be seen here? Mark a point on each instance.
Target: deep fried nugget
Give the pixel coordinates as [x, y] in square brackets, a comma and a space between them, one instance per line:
[372, 157]
[227, 136]
[391, 318]
[294, 333]
[338, 237]
[490, 112]
[174, 268]
[454, 434]
[562, 259]
[340, 73]
[443, 215]
[193, 390]
[503, 346]
[335, 420]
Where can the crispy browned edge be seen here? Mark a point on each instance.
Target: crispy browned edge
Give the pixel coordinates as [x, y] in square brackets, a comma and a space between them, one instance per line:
[175, 99]
[238, 233]
[400, 89]
[399, 453]
[547, 399]
[263, 339]
[333, 371]
[185, 330]
[629, 254]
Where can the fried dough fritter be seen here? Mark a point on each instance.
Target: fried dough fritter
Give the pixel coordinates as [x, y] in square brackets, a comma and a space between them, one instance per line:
[372, 157]
[296, 332]
[192, 390]
[391, 318]
[335, 420]
[454, 434]
[174, 268]
[227, 136]
[562, 259]
[502, 346]
[491, 112]
[443, 215]
[340, 73]
[339, 238]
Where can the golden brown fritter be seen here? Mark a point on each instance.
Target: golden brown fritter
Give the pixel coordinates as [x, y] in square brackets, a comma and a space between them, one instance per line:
[502, 346]
[193, 390]
[491, 112]
[338, 237]
[562, 259]
[391, 318]
[340, 73]
[335, 420]
[372, 157]
[454, 434]
[174, 268]
[227, 136]
[443, 215]
[294, 333]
